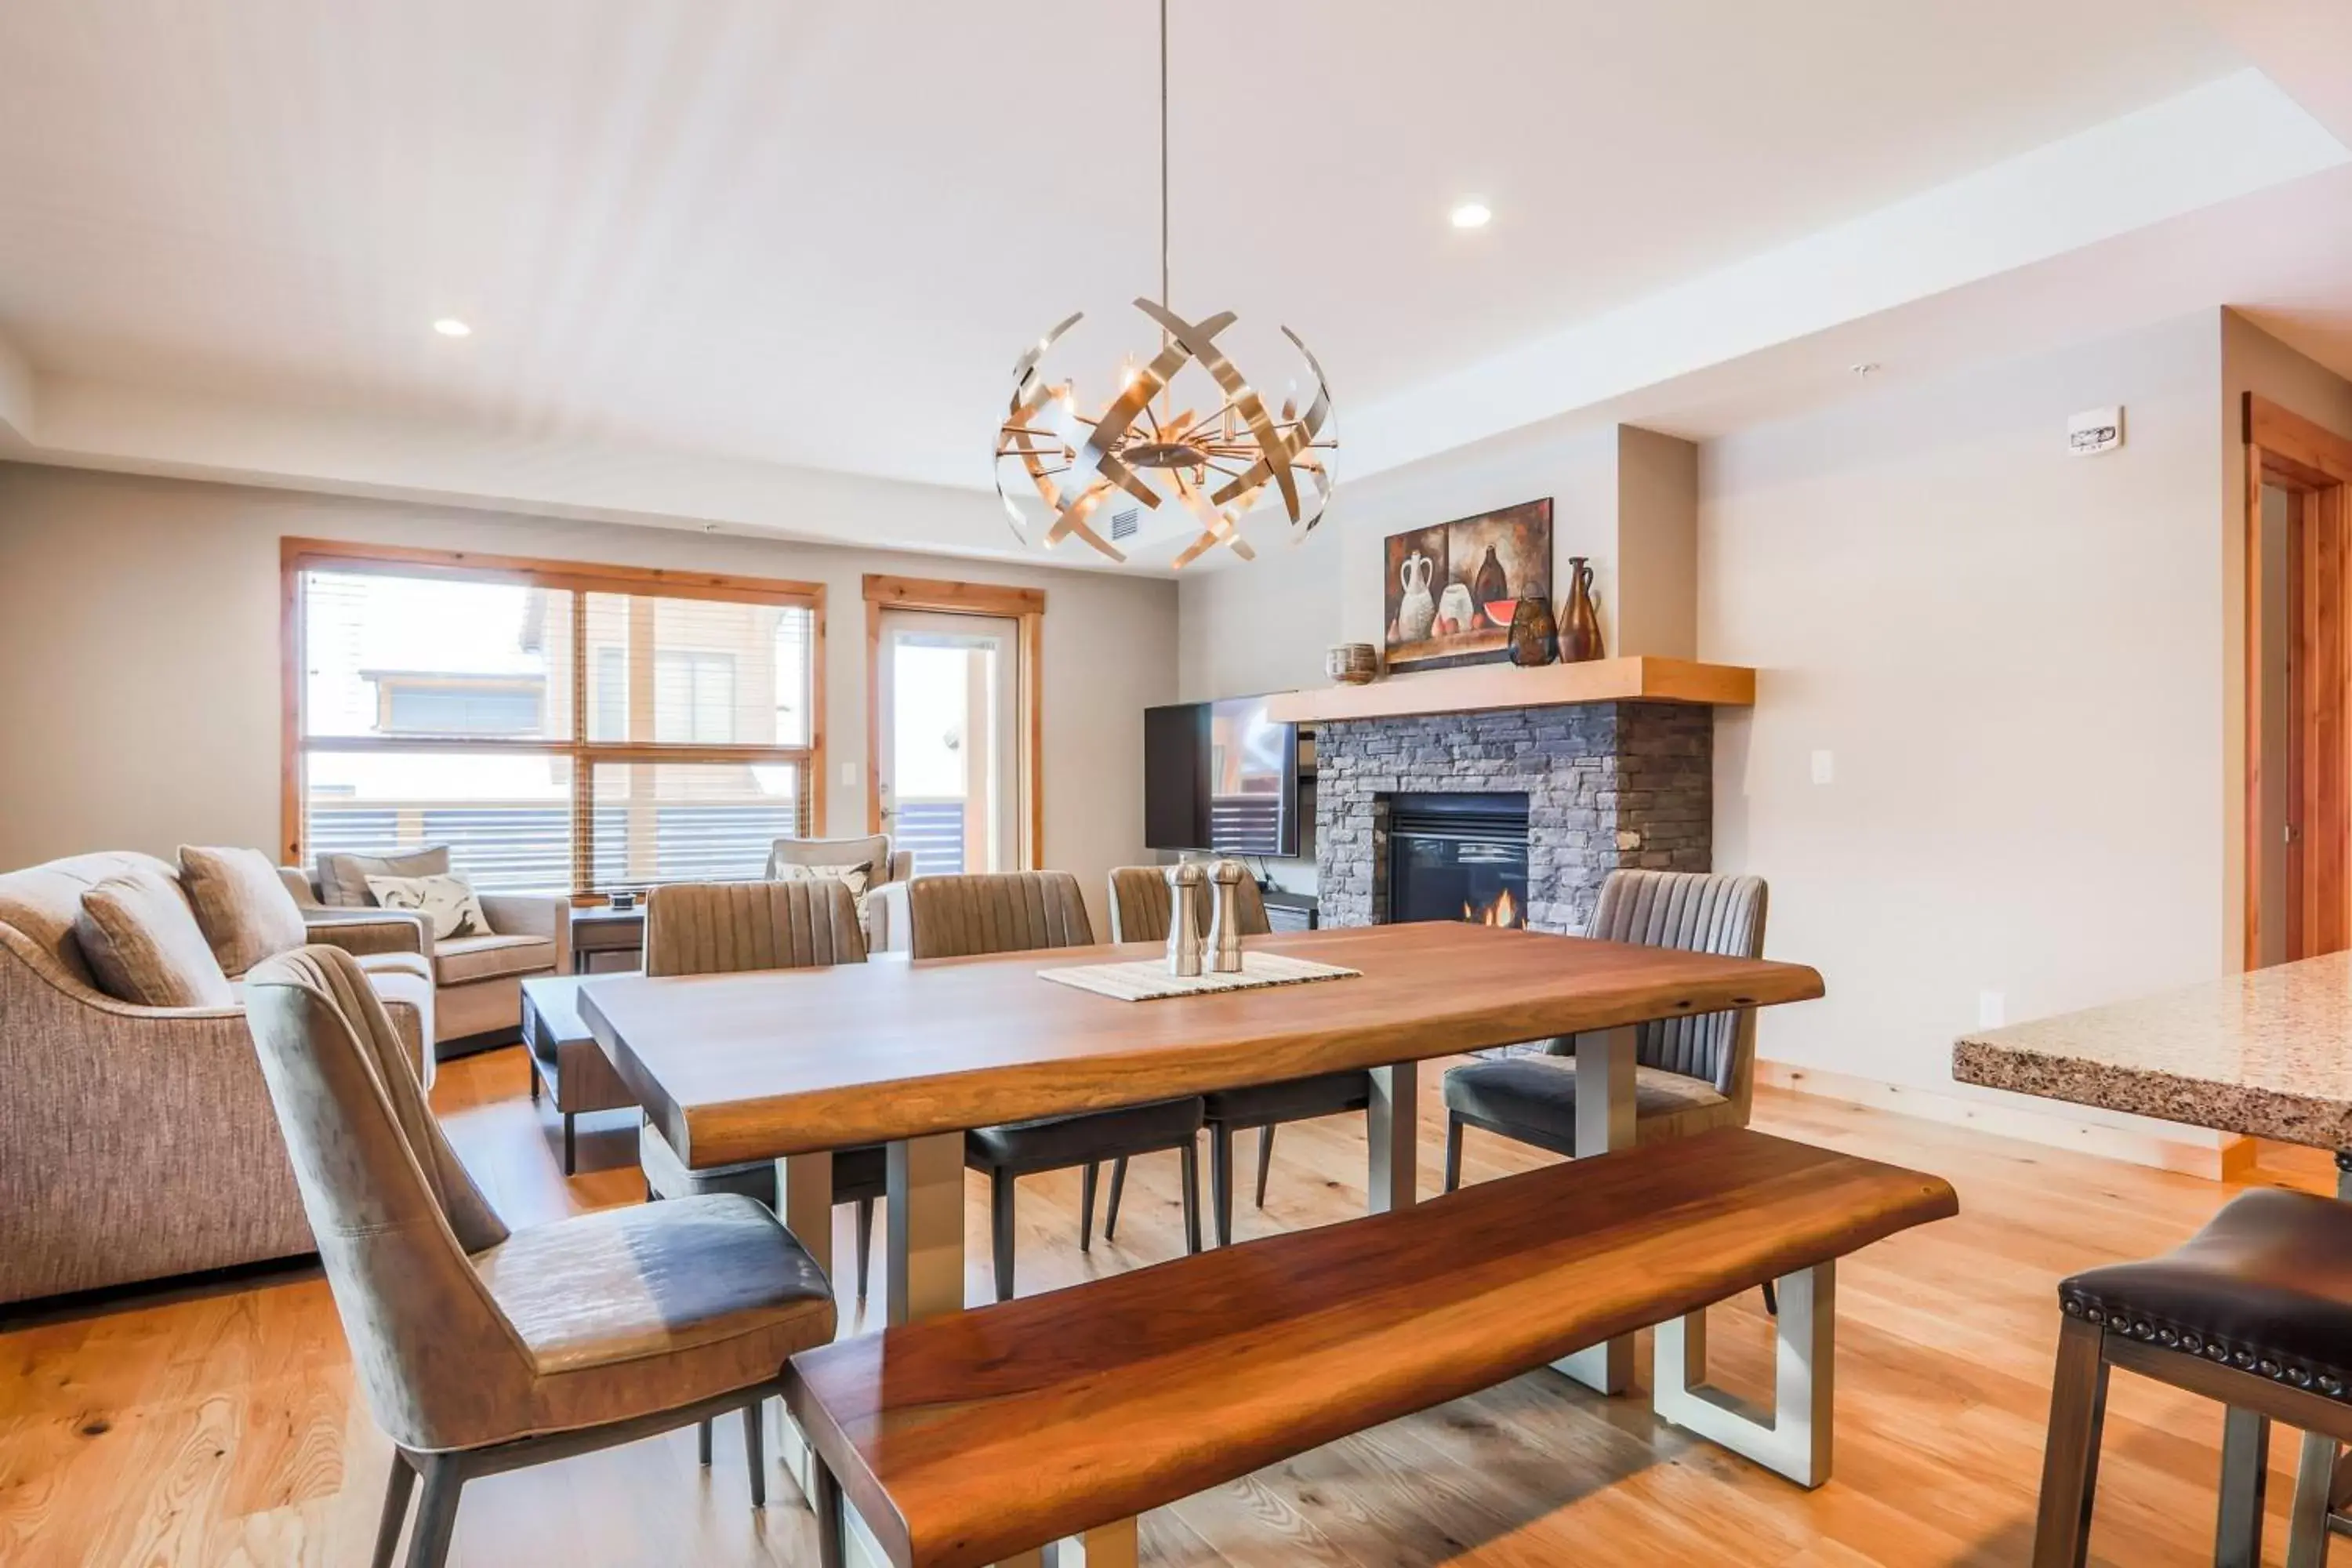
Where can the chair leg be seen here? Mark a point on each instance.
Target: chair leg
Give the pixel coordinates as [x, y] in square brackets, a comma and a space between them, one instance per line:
[1000, 1203]
[832, 1548]
[755, 1450]
[1221, 1181]
[570, 1142]
[396, 1509]
[436, 1512]
[1117, 1185]
[864, 1243]
[2069, 1465]
[2246, 1475]
[1453, 1153]
[2306, 1529]
[1771, 1300]
[1086, 1184]
[532, 1068]
[702, 1443]
[1189, 1153]
[1265, 1159]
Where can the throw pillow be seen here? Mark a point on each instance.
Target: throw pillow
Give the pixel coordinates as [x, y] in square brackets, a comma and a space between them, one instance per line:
[342, 879]
[145, 946]
[855, 877]
[448, 901]
[241, 905]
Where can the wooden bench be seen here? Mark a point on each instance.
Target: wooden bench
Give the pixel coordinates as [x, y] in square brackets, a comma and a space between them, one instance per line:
[982, 1437]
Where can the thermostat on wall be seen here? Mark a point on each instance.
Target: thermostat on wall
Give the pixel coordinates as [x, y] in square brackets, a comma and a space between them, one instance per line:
[2094, 431]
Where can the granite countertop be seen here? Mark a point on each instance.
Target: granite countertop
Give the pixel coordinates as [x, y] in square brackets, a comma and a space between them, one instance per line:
[2268, 1054]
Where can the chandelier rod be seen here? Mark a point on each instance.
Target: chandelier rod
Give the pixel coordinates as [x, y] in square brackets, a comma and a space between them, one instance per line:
[1164, 158]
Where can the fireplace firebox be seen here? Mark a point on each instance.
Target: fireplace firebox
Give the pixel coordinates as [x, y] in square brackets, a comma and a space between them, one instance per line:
[1456, 857]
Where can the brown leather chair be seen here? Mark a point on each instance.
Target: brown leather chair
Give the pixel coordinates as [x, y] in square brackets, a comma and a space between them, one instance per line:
[1142, 906]
[1023, 911]
[2254, 1311]
[482, 1350]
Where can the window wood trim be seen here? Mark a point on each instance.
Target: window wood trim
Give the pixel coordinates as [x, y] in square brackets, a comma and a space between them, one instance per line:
[297, 555]
[944, 597]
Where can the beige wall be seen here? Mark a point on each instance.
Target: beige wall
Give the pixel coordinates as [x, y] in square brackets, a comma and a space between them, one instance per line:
[139, 631]
[2016, 658]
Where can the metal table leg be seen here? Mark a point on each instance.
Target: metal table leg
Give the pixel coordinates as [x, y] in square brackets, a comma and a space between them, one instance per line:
[1604, 1121]
[1392, 1123]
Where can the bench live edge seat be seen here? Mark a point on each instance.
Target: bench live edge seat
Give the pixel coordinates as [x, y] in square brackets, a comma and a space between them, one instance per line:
[969, 1439]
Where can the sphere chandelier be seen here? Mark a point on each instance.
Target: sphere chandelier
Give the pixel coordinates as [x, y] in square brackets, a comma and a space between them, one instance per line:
[1215, 448]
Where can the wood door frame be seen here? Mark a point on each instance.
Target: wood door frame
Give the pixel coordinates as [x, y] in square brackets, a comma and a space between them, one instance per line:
[2314, 466]
[940, 595]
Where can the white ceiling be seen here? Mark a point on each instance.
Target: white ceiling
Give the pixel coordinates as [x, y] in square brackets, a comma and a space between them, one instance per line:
[703, 244]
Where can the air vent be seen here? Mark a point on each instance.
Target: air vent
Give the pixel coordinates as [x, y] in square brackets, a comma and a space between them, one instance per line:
[1125, 524]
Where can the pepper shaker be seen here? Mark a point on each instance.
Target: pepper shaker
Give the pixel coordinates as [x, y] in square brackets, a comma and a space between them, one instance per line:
[1184, 939]
[1225, 922]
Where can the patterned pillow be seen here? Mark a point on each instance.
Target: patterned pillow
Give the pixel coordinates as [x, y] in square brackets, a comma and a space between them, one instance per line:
[448, 901]
[855, 877]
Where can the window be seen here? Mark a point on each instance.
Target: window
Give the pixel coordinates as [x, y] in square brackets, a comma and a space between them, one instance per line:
[433, 700]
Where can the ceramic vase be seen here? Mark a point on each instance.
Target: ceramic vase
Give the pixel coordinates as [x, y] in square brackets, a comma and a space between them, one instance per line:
[1580, 621]
[1532, 633]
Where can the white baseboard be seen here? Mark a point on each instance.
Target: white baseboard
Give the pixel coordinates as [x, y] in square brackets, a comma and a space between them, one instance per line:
[2009, 1117]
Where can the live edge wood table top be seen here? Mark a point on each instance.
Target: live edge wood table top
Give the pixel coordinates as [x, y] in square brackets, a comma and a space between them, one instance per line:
[2267, 1053]
[753, 1067]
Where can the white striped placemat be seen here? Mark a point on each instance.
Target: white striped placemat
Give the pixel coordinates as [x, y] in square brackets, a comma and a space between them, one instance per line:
[1148, 980]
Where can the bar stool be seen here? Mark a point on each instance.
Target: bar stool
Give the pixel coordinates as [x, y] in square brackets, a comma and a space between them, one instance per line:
[2254, 1311]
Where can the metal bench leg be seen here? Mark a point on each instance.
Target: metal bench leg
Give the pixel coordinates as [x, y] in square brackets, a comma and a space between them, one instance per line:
[1793, 1438]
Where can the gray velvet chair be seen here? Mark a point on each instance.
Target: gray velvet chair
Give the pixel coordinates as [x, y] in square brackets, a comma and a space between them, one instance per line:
[1021, 912]
[1693, 1074]
[1141, 909]
[481, 1349]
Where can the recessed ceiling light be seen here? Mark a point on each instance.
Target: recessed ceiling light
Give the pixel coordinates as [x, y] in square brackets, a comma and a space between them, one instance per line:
[451, 327]
[1472, 214]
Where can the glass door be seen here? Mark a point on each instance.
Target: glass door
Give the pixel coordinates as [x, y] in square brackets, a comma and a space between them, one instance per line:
[949, 775]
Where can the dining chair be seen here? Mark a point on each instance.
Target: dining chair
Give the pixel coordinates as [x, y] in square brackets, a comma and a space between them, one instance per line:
[482, 1350]
[2254, 1311]
[1142, 906]
[1023, 911]
[733, 927]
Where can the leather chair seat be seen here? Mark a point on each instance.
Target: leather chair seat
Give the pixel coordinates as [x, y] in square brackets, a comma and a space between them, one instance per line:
[462, 959]
[1293, 1100]
[2266, 1287]
[666, 1304]
[859, 1172]
[1537, 1095]
[1063, 1140]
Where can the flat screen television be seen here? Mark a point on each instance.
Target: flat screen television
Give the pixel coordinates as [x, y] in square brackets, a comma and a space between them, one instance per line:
[1219, 776]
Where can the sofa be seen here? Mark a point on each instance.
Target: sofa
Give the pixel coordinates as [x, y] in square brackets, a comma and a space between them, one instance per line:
[140, 1140]
[477, 979]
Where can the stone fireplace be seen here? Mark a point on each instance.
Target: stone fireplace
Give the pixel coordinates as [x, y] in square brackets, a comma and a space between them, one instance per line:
[1604, 785]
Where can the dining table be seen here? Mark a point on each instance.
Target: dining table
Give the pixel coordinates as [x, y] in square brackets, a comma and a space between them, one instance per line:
[790, 1065]
[2266, 1053]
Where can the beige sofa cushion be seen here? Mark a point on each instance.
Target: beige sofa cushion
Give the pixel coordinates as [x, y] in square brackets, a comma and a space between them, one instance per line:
[342, 879]
[145, 946]
[243, 909]
[44, 901]
[462, 959]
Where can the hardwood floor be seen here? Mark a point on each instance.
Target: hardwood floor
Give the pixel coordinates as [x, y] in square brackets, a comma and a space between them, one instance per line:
[221, 1425]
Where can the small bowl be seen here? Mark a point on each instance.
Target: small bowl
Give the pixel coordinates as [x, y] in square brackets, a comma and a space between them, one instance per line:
[1352, 663]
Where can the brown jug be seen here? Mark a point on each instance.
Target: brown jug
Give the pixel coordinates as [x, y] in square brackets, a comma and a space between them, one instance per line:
[1580, 623]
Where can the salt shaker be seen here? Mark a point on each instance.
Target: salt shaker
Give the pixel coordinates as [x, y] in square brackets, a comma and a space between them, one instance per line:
[1225, 921]
[1184, 941]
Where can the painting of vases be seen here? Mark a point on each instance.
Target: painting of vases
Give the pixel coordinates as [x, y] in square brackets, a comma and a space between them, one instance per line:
[1452, 589]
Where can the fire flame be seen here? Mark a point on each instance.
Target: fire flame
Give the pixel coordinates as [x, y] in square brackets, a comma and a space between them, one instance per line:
[1503, 911]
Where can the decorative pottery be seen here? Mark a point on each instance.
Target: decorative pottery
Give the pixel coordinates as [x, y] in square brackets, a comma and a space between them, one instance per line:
[1580, 623]
[1489, 585]
[1456, 613]
[1533, 636]
[1416, 612]
[1352, 663]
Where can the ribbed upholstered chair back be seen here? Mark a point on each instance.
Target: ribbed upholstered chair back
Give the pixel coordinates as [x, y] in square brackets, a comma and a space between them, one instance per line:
[1142, 903]
[727, 928]
[1697, 912]
[1000, 912]
[393, 1211]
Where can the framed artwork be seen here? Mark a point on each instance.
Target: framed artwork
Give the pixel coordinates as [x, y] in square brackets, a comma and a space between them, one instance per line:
[1452, 588]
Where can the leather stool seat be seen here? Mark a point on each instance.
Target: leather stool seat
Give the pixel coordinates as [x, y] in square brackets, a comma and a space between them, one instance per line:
[2266, 1287]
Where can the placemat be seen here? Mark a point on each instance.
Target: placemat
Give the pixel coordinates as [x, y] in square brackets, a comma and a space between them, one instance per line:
[1148, 980]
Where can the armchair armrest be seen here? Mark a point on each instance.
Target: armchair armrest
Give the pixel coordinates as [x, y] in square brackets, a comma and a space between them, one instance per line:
[889, 926]
[902, 866]
[362, 931]
[533, 914]
[298, 883]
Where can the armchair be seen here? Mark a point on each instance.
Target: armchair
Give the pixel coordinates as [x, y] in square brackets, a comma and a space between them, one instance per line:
[882, 912]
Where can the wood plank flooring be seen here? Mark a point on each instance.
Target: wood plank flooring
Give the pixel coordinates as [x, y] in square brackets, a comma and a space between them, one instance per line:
[222, 1425]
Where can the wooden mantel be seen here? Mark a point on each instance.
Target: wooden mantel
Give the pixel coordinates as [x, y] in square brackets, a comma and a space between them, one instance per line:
[1485, 686]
